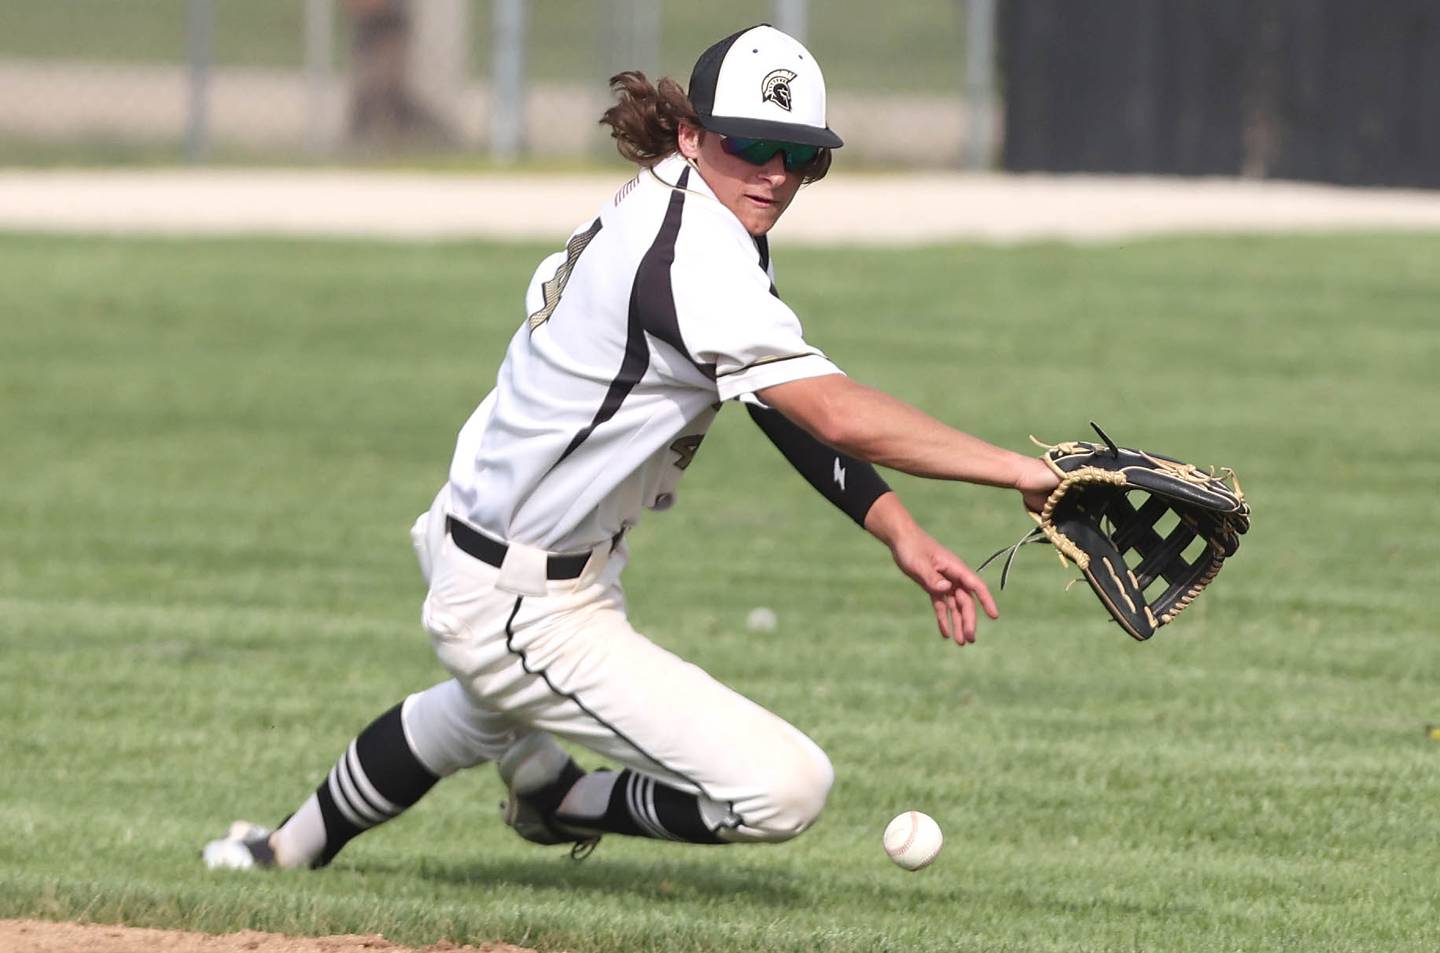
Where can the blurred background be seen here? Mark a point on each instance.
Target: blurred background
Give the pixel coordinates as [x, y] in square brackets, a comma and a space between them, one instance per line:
[493, 80]
[1328, 90]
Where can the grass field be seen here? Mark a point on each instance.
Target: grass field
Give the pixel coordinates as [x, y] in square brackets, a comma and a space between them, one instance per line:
[212, 452]
[916, 46]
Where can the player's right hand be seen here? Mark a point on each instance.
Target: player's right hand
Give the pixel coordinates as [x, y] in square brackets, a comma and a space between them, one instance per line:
[952, 586]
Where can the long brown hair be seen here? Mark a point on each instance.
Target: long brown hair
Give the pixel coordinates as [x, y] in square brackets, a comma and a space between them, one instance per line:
[645, 121]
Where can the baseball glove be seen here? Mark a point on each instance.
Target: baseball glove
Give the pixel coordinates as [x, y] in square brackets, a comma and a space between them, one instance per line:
[1148, 532]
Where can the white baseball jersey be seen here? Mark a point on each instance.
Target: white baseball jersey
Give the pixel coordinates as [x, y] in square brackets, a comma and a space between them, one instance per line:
[655, 313]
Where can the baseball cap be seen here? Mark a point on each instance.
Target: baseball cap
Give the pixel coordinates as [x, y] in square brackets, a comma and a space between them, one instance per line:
[760, 83]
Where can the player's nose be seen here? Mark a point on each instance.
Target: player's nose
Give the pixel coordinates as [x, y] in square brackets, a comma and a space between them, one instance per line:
[773, 170]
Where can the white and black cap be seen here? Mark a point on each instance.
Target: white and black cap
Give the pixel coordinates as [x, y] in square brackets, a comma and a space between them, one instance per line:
[762, 84]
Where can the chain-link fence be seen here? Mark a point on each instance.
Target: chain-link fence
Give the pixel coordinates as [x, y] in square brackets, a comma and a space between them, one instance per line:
[287, 80]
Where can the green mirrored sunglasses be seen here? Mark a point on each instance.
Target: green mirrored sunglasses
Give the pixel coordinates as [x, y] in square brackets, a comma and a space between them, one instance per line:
[761, 151]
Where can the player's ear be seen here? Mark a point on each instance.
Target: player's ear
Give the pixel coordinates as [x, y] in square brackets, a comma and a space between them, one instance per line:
[687, 138]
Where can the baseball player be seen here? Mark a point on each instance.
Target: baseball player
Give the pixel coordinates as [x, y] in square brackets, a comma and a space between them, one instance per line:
[658, 311]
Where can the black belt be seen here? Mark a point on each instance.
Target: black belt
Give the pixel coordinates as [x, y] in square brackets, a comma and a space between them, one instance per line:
[490, 551]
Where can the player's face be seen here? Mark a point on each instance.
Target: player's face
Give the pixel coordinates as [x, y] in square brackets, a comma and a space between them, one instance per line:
[757, 194]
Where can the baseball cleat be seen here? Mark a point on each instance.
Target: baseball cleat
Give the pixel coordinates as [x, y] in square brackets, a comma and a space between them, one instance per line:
[244, 847]
[538, 774]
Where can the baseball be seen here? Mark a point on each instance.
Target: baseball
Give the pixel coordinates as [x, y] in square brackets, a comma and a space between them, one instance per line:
[761, 619]
[913, 840]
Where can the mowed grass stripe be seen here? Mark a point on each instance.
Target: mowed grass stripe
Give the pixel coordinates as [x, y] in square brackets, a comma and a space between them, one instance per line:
[214, 450]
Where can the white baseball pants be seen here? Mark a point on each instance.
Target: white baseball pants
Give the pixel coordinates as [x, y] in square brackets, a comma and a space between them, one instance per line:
[530, 654]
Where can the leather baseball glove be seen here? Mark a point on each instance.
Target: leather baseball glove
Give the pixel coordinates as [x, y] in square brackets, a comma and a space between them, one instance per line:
[1148, 531]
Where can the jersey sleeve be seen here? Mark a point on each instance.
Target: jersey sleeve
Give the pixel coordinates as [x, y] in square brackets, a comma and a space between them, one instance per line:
[730, 320]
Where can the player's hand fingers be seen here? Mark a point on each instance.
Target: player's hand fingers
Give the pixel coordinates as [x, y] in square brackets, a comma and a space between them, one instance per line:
[944, 620]
[976, 586]
[967, 580]
[948, 614]
[968, 620]
[955, 617]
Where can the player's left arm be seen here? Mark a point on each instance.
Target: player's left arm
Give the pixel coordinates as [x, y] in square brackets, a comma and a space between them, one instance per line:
[857, 489]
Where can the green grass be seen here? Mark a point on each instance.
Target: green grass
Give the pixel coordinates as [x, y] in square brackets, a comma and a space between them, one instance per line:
[246, 32]
[916, 46]
[212, 452]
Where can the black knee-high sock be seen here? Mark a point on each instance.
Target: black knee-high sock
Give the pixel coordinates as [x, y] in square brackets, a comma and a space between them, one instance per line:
[640, 806]
[376, 779]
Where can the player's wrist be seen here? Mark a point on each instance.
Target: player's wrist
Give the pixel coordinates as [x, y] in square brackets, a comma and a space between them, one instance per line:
[888, 520]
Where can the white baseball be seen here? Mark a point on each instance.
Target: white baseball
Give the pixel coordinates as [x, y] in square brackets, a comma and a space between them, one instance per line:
[761, 619]
[913, 840]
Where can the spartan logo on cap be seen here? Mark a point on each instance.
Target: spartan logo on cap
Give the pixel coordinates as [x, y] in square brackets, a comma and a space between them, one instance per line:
[775, 88]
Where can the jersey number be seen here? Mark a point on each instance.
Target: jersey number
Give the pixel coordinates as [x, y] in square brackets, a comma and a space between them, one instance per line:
[551, 290]
[686, 447]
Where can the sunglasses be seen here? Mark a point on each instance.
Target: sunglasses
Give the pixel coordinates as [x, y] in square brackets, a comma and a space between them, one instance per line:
[761, 151]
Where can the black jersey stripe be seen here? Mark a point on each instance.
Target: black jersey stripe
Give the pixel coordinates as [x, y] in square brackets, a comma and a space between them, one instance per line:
[762, 244]
[653, 295]
[769, 360]
[652, 309]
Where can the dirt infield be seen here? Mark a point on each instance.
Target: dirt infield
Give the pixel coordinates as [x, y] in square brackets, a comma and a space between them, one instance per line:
[40, 936]
[844, 209]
